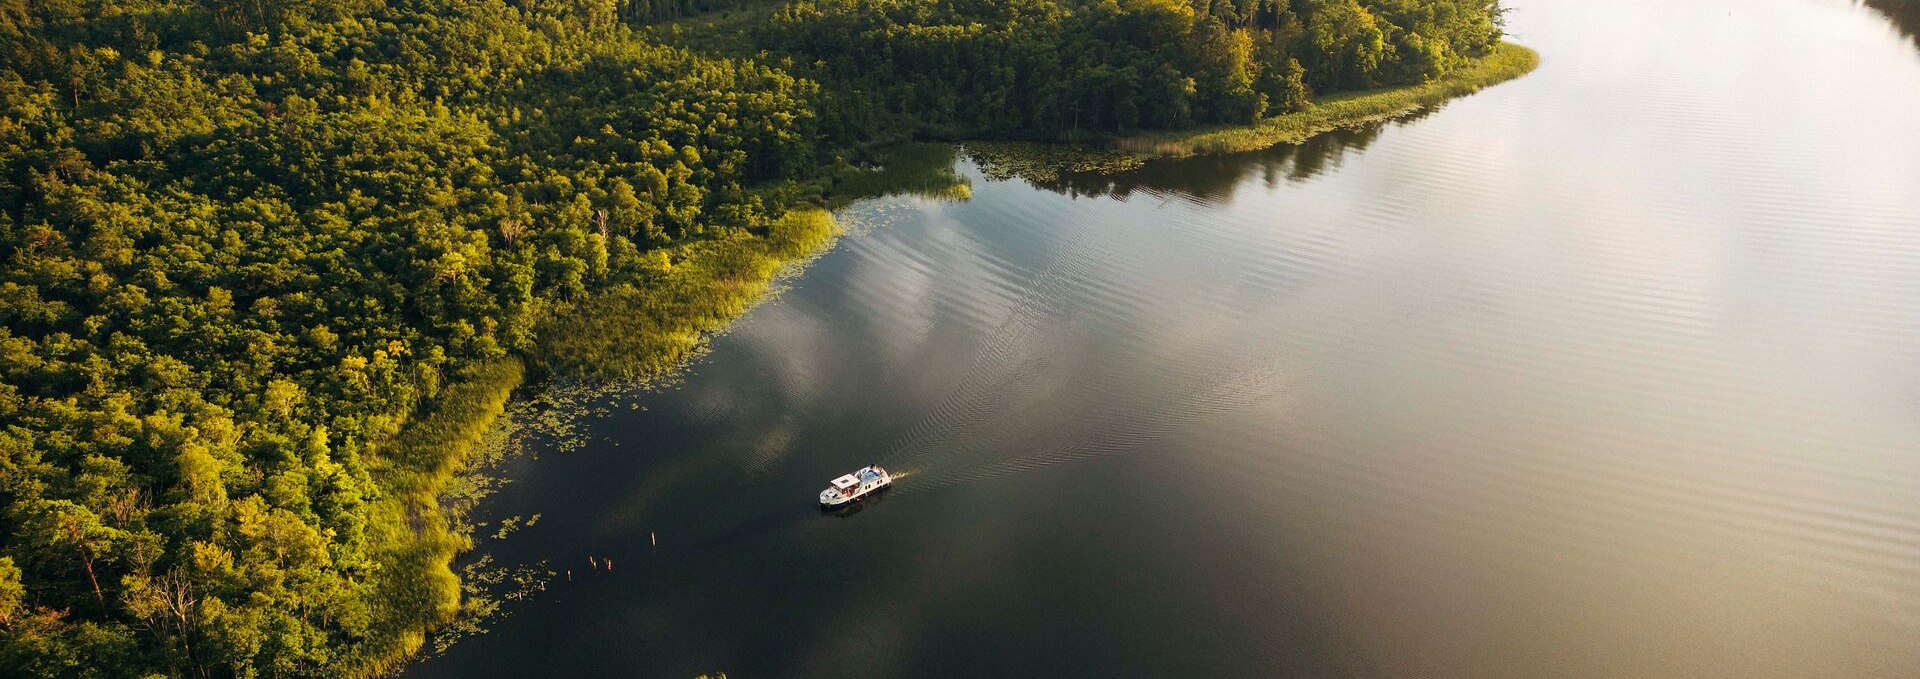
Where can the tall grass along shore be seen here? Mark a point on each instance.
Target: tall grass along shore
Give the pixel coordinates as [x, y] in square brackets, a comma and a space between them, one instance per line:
[631, 332]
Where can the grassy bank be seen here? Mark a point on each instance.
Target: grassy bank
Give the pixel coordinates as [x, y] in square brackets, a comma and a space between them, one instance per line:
[646, 327]
[416, 538]
[1507, 62]
[636, 330]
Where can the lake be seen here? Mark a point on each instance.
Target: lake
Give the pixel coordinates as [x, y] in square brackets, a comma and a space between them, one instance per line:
[1610, 371]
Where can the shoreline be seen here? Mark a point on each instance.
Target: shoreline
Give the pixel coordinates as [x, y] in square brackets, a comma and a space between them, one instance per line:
[1040, 161]
[1506, 62]
[640, 332]
[625, 333]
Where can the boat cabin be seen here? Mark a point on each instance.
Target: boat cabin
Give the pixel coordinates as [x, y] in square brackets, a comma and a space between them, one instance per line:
[849, 487]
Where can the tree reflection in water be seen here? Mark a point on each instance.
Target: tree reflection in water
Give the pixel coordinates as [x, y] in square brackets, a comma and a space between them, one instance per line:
[1212, 179]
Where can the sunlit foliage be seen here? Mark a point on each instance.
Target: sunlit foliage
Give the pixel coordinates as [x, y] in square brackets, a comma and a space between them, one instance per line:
[271, 266]
[267, 264]
[1049, 69]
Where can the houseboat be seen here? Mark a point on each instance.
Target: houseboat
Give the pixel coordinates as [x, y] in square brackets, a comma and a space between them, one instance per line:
[852, 487]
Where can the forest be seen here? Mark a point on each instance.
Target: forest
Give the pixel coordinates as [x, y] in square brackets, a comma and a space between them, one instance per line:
[1040, 69]
[271, 266]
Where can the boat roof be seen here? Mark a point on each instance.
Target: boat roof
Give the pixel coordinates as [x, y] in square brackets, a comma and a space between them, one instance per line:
[845, 481]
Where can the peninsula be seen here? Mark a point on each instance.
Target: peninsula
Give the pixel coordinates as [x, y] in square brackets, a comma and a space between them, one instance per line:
[273, 267]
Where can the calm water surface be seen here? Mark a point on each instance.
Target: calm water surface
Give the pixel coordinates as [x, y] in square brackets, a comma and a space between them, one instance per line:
[1612, 371]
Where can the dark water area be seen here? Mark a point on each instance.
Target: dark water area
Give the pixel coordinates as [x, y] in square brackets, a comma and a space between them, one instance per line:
[1611, 371]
